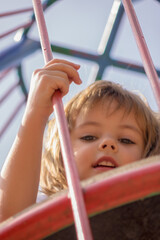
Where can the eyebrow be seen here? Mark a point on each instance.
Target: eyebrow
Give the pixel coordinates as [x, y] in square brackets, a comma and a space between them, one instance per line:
[127, 126]
[88, 123]
[131, 127]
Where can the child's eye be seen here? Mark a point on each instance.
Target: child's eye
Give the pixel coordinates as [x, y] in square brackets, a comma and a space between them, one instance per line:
[88, 138]
[126, 141]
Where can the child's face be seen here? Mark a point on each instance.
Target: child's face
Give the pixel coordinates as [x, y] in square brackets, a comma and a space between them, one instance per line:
[102, 142]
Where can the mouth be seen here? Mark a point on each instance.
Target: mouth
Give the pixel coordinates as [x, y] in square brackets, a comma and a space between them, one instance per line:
[105, 163]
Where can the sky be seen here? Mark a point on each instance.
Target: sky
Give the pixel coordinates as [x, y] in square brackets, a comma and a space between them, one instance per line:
[79, 24]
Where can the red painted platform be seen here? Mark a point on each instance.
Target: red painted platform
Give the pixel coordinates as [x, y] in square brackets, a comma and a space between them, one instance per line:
[122, 204]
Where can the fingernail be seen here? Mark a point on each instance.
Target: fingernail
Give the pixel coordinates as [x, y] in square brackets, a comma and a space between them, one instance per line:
[77, 65]
[80, 81]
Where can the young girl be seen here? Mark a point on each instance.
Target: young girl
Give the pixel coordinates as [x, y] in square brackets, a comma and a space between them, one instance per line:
[109, 127]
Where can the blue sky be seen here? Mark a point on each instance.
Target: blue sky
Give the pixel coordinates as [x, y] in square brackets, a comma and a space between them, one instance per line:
[80, 24]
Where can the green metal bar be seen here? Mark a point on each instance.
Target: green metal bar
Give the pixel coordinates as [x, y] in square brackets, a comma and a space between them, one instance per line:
[130, 66]
[21, 81]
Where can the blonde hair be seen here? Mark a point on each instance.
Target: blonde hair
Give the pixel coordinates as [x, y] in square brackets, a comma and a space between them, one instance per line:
[52, 172]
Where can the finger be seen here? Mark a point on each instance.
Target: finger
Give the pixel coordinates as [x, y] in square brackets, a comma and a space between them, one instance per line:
[56, 73]
[51, 81]
[76, 66]
[69, 70]
[44, 74]
[59, 83]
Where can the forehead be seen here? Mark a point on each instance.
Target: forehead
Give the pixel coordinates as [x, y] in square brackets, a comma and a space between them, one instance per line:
[100, 111]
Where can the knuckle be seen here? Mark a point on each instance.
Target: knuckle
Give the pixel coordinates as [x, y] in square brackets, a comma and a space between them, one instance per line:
[40, 75]
[65, 75]
[36, 72]
[56, 60]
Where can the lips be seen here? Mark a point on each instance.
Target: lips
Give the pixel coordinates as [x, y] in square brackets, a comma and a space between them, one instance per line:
[106, 163]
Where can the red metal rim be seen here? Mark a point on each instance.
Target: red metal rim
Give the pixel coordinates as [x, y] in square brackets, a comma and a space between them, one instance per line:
[103, 192]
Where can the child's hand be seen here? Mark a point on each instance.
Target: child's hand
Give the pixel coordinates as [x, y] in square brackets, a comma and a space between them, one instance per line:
[56, 75]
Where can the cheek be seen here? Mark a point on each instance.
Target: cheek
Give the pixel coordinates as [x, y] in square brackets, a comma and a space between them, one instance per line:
[76, 154]
[133, 155]
[79, 155]
[79, 148]
[140, 151]
[139, 155]
[80, 163]
[82, 150]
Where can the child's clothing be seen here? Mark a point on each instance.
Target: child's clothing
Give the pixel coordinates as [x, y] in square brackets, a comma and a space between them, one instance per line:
[41, 197]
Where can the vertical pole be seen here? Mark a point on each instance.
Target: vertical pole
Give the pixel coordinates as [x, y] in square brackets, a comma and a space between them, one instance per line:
[143, 49]
[78, 206]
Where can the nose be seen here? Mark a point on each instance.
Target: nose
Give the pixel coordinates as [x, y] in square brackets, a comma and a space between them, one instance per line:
[108, 144]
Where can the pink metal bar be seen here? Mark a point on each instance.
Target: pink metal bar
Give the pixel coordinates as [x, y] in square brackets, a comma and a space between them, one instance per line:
[78, 206]
[143, 49]
[16, 28]
[5, 14]
[11, 118]
[9, 91]
[4, 73]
